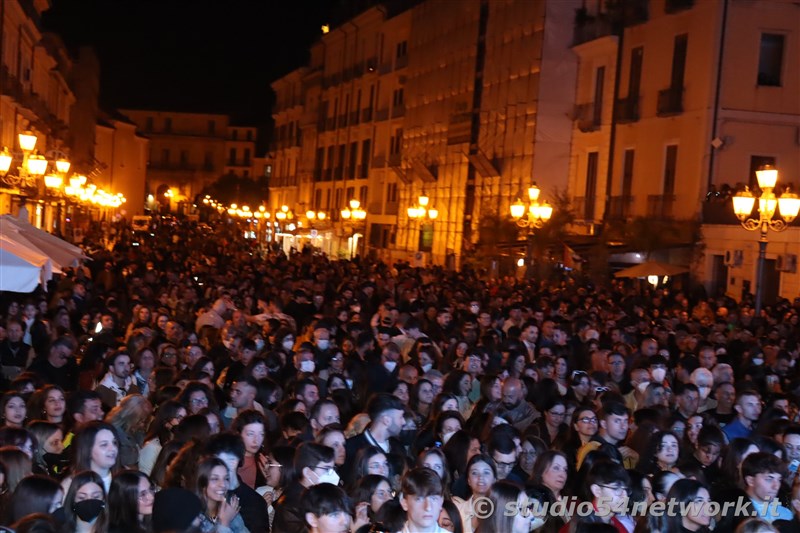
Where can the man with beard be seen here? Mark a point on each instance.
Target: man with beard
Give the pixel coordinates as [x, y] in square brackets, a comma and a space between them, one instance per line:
[118, 382]
[386, 414]
[15, 355]
[515, 409]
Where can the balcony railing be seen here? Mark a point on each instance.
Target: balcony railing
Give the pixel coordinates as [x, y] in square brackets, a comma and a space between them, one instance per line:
[342, 121]
[398, 111]
[382, 114]
[337, 173]
[371, 64]
[583, 206]
[628, 109]
[353, 118]
[330, 124]
[363, 172]
[592, 28]
[585, 117]
[395, 160]
[620, 208]
[401, 62]
[660, 206]
[350, 172]
[670, 102]
[366, 115]
[327, 174]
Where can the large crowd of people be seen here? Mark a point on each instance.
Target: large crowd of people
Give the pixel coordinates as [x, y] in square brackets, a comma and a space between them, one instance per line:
[186, 380]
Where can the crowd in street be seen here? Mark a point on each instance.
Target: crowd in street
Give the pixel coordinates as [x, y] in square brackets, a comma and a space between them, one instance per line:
[187, 380]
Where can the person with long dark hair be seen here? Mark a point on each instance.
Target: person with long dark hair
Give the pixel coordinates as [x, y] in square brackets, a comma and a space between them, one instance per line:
[166, 419]
[84, 503]
[96, 448]
[130, 503]
[696, 517]
[212, 486]
[34, 494]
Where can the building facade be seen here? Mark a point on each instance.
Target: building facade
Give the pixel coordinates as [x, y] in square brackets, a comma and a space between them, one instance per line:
[189, 151]
[676, 101]
[428, 101]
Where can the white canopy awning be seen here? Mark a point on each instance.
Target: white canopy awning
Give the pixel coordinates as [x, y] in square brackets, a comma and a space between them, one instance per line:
[22, 266]
[62, 253]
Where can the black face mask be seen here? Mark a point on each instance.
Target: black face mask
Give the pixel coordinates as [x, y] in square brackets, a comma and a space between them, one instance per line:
[407, 436]
[88, 510]
[56, 462]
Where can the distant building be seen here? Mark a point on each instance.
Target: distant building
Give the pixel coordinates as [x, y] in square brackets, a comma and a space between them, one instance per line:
[189, 151]
[121, 158]
[431, 100]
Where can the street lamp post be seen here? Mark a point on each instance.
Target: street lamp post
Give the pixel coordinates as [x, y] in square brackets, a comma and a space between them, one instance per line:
[355, 215]
[421, 211]
[788, 204]
[537, 215]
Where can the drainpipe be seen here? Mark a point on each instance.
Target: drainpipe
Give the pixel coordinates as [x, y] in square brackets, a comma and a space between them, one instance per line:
[717, 93]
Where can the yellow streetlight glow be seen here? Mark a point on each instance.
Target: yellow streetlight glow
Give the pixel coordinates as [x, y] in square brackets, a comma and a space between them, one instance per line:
[354, 204]
[62, 166]
[53, 182]
[27, 141]
[37, 165]
[5, 160]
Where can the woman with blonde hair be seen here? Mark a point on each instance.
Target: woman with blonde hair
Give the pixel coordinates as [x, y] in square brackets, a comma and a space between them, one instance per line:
[130, 419]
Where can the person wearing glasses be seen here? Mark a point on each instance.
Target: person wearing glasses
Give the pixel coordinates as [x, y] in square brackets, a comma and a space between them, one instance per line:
[607, 489]
[314, 464]
[582, 428]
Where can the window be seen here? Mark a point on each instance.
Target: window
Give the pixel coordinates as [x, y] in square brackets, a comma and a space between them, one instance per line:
[184, 157]
[234, 134]
[635, 75]
[212, 127]
[353, 161]
[591, 185]
[247, 156]
[670, 164]
[770, 59]
[268, 171]
[426, 238]
[365, 153]
[249, 135]
[679, 47]
[391, 192]
[599, 80]
[168, 124]
[362, 196]
[396, 142]
[351, 193]
[756, 163]
[232, 157]
[208, 160]
[401, 49]
[148, 124]
[627, 173]
[318, 162]
[338, 204]
[317, 200]
[397, 97]
[165, 156]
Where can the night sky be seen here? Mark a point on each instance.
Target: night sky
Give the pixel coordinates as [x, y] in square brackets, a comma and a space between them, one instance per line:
[204, 56]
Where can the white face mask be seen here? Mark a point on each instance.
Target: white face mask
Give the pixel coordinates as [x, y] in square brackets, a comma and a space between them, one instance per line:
[323, 344]
[642, 386]
[288, 345]
[758, 361]
[659, 374]
[307, 366]
[390, 365]
[329, 476]
[426, 368]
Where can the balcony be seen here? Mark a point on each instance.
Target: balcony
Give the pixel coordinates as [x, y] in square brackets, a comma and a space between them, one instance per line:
[591, 26]
[385, 68]
[620, 208]
[628, 109]
[392, 208]
[670, 102]
[327, 174]
[353, 118]
[583, 206]
[382, 114]
[401, 62]
[342, 121]
[317, 174]
[350, 172]
[371, 65]
[586, 119]
[363, 172]
[660, 206]
[366, 115]
[398, 111]
[338, 172]
[676, 6]
[395, 160]
[330, 124]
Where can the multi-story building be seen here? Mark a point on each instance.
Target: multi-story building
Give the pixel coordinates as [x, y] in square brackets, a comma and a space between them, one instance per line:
[676, 98]
[189, 151]
[431, 100]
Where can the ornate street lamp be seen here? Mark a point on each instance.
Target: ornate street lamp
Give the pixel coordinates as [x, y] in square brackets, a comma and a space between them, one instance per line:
[787, 204]
[537, 215]
[420, 211]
